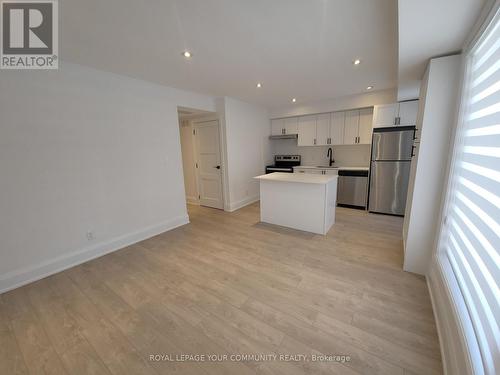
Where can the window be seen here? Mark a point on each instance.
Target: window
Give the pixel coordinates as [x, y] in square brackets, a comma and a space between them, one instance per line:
[471, 234]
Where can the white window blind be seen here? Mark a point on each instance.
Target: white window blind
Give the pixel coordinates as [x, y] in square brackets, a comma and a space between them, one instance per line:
[471, 237]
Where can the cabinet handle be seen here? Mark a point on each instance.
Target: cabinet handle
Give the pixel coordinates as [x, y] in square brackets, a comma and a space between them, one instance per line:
[314, 140]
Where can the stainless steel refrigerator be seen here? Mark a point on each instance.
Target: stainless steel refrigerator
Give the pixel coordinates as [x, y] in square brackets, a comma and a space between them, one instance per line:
[390, 169]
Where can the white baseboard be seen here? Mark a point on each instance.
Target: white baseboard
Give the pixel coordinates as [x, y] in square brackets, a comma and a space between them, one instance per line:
[242, 203]
[15, 279]
[193, 200]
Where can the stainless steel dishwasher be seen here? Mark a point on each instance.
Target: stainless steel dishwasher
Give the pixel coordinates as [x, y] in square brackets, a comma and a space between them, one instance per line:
[352, 188]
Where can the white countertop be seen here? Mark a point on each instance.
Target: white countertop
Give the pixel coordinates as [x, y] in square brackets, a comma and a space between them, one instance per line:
[304, 178]
[339, 168]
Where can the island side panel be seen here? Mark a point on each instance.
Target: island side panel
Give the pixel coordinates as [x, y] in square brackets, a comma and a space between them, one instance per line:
[331, 204]
[294, 205]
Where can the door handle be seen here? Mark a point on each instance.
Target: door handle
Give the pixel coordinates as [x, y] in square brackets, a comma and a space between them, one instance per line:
[217, 167]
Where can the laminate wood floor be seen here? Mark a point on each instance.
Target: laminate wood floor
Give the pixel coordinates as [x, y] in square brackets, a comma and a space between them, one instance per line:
[228, 285]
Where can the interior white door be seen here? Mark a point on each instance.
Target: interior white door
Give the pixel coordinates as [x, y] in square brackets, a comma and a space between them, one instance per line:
[351, 129]
[209, 164]
[307, 131]
[323, 129]
[337, 128]
[365, 126]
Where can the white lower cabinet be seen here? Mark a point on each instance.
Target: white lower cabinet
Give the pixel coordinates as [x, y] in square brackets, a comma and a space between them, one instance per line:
[313, 170]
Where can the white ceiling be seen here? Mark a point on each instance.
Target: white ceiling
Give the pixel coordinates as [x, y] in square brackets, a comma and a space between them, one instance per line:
[296, 48]
[430, 28]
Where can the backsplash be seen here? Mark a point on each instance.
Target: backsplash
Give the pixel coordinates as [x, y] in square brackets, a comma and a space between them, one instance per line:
[344, 155]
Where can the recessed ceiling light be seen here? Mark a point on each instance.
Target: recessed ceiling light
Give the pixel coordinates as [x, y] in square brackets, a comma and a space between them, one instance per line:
[259, 85]
[369, 87]
[294, 100]
[186, 54]
[357, 62]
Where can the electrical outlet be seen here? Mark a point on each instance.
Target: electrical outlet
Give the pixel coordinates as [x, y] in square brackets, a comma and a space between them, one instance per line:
[90, 235]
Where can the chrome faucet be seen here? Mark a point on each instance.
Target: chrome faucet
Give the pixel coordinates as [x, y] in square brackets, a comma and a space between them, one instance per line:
[329, 155]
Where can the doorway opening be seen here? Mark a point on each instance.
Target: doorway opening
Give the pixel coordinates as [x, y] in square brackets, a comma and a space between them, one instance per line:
[201, 147]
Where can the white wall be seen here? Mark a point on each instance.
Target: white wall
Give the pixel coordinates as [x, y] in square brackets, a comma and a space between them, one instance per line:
[436, 123]
[188, 161]
[368, 99]
[246, 129]
[344, 155]
[83, 150]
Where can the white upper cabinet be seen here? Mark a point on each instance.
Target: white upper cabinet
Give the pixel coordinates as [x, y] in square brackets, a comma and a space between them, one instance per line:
[337, 128]
[323, 129]
[385, 115]
[408, 113]
[396, 114]
[307, 131]
[351, 129]
[365, 126]
[278, 126]
[292, 125]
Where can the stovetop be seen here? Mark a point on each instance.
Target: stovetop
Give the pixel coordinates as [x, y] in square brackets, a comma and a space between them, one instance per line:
[286, 161]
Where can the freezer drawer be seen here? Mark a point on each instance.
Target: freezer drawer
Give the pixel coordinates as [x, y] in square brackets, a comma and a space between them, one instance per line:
[389, 186]
[352, 189]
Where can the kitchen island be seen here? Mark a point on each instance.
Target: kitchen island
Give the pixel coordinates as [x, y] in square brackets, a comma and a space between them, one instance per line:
[300, 201]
